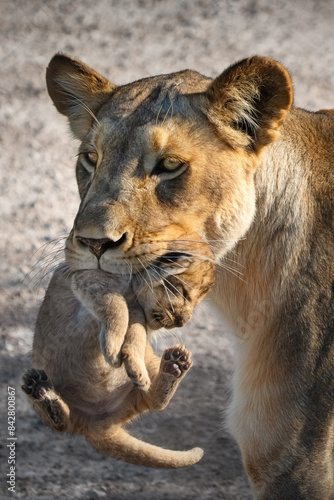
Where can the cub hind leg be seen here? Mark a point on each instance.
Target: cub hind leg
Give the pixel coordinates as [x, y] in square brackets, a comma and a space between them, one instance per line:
[52, 410]
[174, 365]
[114, 441]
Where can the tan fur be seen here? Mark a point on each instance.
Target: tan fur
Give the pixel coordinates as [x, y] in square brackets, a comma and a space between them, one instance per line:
[256, 183]
[95, 370]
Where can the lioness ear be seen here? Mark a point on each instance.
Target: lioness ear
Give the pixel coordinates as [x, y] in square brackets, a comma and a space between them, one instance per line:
[247, 102]
[77, 91]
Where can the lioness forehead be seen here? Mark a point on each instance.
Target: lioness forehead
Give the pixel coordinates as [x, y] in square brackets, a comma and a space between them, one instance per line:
[144, 100]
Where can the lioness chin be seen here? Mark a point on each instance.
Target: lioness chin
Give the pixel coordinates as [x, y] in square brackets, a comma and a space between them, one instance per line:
[230, 159]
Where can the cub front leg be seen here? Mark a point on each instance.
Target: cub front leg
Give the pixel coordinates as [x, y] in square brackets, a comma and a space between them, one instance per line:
[134, 348]
[114, 328]
[102, 295]
[175, 364]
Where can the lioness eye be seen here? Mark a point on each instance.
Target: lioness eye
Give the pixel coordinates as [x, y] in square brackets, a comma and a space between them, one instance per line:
[91, 158]
[171, 163]
[172, 167]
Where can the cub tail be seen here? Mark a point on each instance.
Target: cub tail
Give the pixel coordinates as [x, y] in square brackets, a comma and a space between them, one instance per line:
[123, 446]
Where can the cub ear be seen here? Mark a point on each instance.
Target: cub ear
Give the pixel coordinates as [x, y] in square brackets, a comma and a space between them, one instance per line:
[77, 91]
[248, 101]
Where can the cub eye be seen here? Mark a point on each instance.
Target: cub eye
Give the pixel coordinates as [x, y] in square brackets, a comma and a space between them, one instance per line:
[171, 163]
[90, 160]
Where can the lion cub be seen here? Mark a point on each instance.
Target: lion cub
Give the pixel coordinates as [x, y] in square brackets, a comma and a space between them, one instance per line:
[96, 369]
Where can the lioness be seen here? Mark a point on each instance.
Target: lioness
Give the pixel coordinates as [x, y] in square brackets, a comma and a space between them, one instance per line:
[94, 369]
[233, 161]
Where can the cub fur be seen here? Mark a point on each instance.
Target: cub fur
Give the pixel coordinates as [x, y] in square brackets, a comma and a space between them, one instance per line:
[96, 370]
[231, 159]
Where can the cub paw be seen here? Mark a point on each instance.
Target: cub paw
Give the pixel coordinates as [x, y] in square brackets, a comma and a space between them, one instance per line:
[36, 383]
[176, 361]
[138, 375]
[47, 404]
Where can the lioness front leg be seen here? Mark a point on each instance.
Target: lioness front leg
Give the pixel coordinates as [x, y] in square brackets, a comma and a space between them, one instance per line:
[52, 410]
[175, 363]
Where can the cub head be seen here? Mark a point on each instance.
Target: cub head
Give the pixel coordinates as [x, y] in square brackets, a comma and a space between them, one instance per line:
[175, 283]
[165, 156]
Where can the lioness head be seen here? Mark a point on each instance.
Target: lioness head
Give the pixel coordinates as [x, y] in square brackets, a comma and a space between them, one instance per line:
[165, 156]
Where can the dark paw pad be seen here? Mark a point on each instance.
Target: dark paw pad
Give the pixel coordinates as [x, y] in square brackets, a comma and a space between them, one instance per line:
[176, 361]
[36, 383]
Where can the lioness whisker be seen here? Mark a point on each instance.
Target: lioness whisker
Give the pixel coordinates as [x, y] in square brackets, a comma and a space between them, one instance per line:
[163, 283]
[209, 242]
[235, 272]
[38, 283]
[192, 253]
[202, 256]
[129, 264]
[181, 253]
[206, 241]
[171, 304]
[44, 246]
[42, 266]
[43, 249]
[65, 271]
[175, 263]
[204, 253]
[145, 269]
[177, 276]
[142, 276]
[171, 284]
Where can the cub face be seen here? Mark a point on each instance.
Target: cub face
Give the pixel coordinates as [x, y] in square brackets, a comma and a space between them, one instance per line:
[164, 157]
[175, 283]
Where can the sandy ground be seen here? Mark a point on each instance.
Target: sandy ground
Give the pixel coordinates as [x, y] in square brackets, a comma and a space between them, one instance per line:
[124, 40]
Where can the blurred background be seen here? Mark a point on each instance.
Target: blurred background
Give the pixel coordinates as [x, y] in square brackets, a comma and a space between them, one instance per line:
[124, 40]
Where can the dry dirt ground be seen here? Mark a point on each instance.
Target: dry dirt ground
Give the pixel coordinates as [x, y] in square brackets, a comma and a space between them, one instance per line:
[124, 40]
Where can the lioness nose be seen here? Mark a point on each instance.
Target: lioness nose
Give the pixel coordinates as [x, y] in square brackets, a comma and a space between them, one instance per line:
[99, 246]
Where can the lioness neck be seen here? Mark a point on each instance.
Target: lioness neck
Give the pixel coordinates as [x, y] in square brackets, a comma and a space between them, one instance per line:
[280, 341]
[264, 264]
